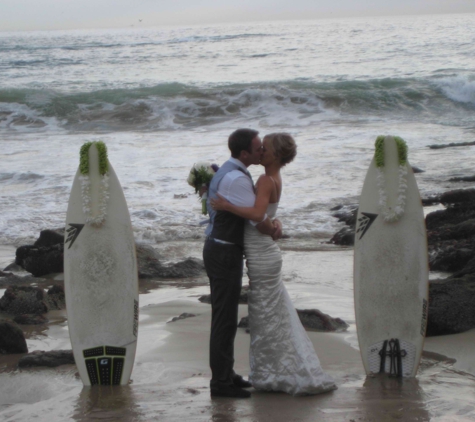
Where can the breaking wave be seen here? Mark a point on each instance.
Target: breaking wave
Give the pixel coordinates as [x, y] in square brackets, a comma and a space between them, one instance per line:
[292, 103]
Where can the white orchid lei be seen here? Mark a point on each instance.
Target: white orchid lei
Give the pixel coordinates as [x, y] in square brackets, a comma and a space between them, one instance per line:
[391, 214]
[200, 176]
[86, 183]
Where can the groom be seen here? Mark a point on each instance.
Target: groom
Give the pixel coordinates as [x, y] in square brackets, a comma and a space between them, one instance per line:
[223, 258]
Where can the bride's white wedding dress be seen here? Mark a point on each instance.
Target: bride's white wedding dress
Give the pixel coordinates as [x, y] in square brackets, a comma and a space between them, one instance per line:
[282, 357]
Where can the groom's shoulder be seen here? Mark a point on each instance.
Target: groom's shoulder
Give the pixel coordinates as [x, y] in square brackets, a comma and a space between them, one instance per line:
[235, 174]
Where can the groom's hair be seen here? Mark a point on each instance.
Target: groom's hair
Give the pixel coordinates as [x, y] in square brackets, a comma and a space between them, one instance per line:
[241, 140]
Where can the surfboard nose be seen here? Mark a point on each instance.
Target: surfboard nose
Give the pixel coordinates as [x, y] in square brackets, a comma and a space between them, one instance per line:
[392, 166]
[94, 182]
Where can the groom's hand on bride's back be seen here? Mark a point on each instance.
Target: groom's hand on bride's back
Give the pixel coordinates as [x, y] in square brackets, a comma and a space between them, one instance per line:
[277, 229]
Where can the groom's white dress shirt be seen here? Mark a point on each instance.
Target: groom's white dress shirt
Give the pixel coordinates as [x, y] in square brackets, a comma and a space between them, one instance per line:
[237, 188]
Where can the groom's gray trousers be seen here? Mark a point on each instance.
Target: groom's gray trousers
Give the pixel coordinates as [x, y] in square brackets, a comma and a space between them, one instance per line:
[224, 266]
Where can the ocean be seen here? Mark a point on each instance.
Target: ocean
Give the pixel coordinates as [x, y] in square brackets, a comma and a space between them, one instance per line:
[165, 98]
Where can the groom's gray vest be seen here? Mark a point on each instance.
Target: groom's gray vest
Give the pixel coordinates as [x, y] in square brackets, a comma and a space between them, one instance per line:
[224, 225]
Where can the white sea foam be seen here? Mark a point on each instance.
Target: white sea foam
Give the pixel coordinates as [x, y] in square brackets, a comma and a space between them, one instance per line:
[321, 81]
[459, 88]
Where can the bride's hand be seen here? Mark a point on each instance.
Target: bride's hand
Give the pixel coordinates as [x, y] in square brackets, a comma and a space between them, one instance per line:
[219, 203]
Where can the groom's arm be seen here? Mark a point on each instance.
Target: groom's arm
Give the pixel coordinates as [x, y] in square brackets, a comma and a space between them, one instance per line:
[237, 189]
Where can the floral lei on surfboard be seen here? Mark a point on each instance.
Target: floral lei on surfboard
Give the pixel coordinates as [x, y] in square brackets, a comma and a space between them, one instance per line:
[86, 183]
[391, 215]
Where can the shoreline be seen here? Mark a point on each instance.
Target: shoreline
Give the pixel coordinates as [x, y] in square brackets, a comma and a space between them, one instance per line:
[170, 379]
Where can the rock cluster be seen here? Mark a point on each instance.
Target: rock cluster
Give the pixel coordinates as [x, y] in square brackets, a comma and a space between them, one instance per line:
[12, 339]
[451, 246]
[46, 256]
[29, 300]
[51, 359]
[311, 319]
[184, 315]
[149, 265]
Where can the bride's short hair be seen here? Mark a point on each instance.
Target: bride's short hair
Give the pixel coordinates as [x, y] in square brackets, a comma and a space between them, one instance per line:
[284, 146]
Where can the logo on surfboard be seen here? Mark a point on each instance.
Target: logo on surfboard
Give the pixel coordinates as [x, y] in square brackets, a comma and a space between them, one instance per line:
[365, 223]
[73, 233]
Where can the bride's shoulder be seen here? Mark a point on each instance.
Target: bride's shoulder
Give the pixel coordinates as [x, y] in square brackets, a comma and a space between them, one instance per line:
[265, 181]
[263, 178]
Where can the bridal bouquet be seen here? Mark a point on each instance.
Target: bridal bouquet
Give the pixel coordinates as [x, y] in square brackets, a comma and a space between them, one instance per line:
[200, 175]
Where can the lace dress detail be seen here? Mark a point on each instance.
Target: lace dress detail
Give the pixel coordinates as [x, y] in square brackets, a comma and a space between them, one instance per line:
[282, 357]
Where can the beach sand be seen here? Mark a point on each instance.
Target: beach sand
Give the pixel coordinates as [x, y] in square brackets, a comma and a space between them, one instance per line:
[170, 380]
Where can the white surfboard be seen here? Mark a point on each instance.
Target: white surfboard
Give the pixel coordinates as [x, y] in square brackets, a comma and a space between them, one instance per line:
[100, 274]
[390, 266]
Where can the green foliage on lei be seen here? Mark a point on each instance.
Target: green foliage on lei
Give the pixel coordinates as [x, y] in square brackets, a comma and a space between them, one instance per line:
[84, 157]
[379, 152]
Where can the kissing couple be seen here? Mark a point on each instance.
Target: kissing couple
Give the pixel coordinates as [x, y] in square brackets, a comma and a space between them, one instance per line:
[243, 223]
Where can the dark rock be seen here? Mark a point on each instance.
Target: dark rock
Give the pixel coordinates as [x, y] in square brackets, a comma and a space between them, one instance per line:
[345, 237]
[436, 220]
[430, 200]
[347, 214]
[244, 322]
[7, 279]
[55, 299]
[12, 339]
[450, 258]
[50, 238]
[149, 265]
[147, 257]
[14, 267]
[451, 235]
[190, 267]
[458, 196]
[451, 306]
[463, 179]
[469, 268]
[41, 260]
[18, 300]
[416, 170]
[46, 257]
[463, 230]
[205, 299]
[452, 144]
[51, 359]
[312, 319]
[29, 319]
[182, 316]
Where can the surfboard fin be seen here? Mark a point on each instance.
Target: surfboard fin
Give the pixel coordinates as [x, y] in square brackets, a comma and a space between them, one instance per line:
[391, 349]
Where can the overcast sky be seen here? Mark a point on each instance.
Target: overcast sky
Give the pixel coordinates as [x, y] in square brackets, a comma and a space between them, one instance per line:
[72, 14]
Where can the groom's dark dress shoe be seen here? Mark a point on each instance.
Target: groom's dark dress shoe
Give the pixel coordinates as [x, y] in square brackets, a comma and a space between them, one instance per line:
[240, 382]
[230, 391]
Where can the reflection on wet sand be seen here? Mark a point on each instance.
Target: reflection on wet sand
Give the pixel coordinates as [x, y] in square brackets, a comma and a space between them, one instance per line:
[223, 411]
[387, 398]
[117, 403]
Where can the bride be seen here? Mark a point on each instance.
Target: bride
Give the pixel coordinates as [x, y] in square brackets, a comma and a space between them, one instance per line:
[282, 357]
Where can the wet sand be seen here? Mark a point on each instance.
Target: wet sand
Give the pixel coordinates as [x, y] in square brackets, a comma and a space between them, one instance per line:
[170, 380]
[171, 377]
